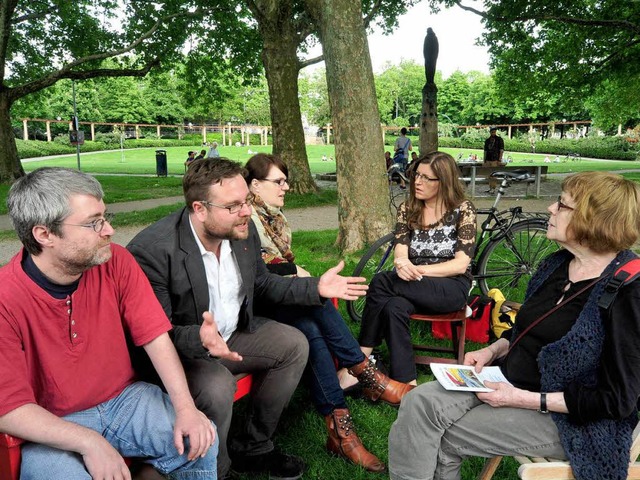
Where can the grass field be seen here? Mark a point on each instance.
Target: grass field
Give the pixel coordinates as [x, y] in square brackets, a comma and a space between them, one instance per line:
[142, 161]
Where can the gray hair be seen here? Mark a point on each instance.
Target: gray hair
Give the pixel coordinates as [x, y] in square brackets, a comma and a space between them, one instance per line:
[42, 198]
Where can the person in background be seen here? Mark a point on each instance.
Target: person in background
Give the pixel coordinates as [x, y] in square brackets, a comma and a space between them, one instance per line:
[70, 302]
[493, 151]
[213, 150]
[434, 244]
[189, 159]
[573, 366]
[403, 146]
[414, 157]
[201, 155]
[326, 332]
[205, 267]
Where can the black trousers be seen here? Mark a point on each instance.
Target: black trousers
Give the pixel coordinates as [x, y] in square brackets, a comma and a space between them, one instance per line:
[389, 303]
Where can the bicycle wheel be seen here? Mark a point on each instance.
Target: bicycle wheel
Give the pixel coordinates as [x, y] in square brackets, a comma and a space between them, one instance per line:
[508, 262]
[378, 258]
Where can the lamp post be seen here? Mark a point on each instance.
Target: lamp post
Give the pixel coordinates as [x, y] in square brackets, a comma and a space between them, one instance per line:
[75, 121]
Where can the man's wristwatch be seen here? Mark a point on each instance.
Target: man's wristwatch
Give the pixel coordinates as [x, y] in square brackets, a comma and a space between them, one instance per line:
[543, 403]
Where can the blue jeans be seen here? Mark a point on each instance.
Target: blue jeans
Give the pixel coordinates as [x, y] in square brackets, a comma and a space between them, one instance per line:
[328, 338]
[137, 423]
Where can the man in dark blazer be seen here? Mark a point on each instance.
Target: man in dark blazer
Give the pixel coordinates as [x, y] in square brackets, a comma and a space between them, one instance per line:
[205, 267]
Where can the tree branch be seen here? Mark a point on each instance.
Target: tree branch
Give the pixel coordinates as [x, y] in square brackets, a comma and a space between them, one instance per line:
[257, 11]
[6, 12]
[67, 71]
[310, 61]
[375, 9]
[622, 24]
[34, 16]
[36, 85]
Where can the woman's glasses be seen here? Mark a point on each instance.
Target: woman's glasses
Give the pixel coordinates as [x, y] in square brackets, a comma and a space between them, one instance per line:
[417, 176]
[562, 205]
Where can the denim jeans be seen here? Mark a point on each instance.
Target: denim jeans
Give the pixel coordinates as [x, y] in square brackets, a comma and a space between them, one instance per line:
[329, 338]
[137, 423]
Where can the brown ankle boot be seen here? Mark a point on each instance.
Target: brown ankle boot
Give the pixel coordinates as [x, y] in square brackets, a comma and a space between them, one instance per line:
[376, 385]
[344, 442]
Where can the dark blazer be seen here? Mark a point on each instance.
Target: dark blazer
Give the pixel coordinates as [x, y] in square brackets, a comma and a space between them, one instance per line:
[168, 254]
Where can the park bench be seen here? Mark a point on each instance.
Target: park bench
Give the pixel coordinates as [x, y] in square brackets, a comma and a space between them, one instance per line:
[476, 174]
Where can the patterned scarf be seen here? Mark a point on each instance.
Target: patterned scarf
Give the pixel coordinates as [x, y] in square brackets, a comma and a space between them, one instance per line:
[275, 227]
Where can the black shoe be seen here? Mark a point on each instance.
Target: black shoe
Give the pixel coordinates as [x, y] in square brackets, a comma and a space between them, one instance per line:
[278, 465]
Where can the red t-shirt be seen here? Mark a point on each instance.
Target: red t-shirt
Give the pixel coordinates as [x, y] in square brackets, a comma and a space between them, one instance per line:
[71, 354]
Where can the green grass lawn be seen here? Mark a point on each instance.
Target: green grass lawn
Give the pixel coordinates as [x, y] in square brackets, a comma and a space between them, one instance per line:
[142, 161]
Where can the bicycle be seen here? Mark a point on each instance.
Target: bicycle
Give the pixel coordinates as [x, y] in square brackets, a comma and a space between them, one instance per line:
[509, 248]
[397, 195]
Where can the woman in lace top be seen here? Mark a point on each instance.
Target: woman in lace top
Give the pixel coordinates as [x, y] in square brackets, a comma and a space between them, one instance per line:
[435, 241]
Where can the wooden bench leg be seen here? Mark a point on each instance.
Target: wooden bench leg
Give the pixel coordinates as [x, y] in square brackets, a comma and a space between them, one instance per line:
[490, 467]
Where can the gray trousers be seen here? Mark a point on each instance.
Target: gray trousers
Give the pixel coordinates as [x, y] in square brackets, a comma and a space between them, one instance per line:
[437, 429]
[276, 355]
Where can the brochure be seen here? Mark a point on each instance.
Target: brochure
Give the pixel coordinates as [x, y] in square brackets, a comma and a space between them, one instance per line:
[465, 378]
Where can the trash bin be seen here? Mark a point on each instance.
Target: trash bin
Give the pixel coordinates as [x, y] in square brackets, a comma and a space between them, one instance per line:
[161, 163]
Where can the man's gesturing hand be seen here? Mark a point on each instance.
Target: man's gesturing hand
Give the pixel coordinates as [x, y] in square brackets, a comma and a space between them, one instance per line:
[213, 341]
[333, 285]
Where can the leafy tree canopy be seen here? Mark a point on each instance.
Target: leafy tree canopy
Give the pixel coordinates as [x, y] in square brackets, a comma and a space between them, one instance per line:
[564, 48]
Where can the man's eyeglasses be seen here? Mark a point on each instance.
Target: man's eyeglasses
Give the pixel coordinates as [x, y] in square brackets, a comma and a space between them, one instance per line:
[97, 225]
[281, 182]
[423, 178]
[562, 205]
[234, 208]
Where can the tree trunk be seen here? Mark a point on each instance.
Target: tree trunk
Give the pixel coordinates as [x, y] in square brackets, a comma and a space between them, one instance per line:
[10, 166]
[280, 40]
[362, 181]
[281, 67]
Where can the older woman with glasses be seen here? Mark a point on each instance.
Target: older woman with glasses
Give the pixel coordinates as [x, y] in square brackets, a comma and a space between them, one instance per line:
[573, 365]
[328, 336]
[435, 240]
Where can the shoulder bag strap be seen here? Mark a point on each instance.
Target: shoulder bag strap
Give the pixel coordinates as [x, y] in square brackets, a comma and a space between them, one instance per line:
[545, 315]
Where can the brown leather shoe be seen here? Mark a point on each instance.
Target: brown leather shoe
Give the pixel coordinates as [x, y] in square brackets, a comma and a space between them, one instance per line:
[344, 442]
[377, 386]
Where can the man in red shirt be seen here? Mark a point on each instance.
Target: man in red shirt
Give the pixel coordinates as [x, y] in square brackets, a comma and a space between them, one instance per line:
[69, 304]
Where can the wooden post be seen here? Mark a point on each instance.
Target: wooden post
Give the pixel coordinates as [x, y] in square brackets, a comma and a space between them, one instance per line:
[509, 132]
[93, 132]
[204, 134]
[248, 135]
[224, 136]
[328, 134]
[137, 132]
[384, 132]
[48, 124]
[619, 129]
[158, 131]
[25, 130]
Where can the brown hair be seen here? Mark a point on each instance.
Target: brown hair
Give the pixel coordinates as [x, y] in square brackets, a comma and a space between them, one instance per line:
[205, 172]
[606, 216]
[259, 165]
[451, 191]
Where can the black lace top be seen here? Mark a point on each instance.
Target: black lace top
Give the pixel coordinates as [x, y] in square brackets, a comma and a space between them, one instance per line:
[439, 242]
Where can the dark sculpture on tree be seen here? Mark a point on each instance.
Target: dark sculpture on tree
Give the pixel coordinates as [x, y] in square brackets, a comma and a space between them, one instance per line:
[429, 117]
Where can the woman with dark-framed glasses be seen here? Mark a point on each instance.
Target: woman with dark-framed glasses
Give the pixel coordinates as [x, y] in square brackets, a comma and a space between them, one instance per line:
[435, 241]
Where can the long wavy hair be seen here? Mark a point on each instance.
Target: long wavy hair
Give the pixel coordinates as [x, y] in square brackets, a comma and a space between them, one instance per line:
[451, 192]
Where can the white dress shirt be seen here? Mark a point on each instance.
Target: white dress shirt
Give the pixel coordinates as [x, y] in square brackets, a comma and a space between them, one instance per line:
[224, 282]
